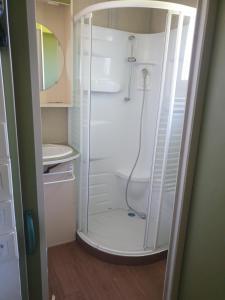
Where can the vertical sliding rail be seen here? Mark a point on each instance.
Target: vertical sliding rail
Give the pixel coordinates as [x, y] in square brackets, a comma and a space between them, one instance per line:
[85, 101]
[42, 60]
[89, 112]
[163, 78]
[80, 219]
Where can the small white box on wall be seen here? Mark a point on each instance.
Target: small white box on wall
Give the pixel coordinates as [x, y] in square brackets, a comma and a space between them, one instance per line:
[59, 197]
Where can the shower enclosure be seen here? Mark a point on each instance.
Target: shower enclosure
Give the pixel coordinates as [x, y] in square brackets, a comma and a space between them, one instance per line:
[130, 86]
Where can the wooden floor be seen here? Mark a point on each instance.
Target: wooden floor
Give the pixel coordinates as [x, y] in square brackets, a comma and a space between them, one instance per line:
[74, 274]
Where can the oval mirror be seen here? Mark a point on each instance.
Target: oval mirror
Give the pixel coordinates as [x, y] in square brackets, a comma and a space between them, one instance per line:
[50, 57]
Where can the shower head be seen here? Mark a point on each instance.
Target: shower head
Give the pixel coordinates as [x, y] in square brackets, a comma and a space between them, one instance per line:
[131, 37]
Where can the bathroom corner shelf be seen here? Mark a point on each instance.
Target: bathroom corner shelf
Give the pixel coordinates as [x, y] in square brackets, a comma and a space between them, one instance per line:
[56, 105]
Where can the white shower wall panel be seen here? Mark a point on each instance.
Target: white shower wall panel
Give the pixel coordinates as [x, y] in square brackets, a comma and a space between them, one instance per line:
[108, 55]
[149, 47]
[115, 123]
[101, 130]
[101, 192]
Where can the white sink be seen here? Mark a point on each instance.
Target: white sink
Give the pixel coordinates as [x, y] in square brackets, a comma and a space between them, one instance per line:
[51, 151]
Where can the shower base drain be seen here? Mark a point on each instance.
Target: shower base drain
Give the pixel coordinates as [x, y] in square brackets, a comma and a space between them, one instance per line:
[131, 214]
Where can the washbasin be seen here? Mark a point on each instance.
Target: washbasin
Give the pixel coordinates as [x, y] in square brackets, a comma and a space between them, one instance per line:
[50, 151]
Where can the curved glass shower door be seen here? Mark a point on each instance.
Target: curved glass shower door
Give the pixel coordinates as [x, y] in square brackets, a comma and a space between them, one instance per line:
[120, 158]
[79, 114]
[130, 94]
[169, 130]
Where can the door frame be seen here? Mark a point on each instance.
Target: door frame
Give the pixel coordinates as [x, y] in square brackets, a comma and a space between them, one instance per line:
[9, 102]
[23, 51]
[195, 103]
[202, 49]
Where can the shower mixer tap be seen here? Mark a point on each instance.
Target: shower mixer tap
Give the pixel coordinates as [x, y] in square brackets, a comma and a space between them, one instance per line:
[131, 59]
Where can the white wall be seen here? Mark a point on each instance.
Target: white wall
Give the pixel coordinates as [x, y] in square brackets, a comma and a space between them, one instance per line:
[54, 125]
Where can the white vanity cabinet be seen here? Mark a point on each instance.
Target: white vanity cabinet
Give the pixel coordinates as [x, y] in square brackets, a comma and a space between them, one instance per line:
[59, 197]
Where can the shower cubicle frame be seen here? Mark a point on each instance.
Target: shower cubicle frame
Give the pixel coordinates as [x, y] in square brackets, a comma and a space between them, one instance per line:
[172, 9]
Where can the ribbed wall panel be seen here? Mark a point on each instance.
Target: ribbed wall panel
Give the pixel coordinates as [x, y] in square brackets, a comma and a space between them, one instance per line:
[173, 155]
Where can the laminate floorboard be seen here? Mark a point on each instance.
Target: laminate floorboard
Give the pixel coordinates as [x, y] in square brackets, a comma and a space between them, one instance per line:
[74, 274]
